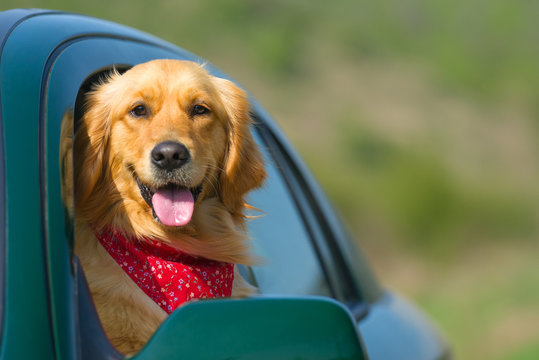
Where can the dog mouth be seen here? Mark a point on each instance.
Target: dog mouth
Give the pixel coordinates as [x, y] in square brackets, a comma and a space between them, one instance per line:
[172, 204]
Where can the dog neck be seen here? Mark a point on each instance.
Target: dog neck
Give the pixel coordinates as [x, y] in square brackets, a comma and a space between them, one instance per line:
[167, 275]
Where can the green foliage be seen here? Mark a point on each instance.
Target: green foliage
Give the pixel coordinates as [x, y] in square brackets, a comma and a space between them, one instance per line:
[489, 311]
[488, 48]
[528, 352]
[416, 196]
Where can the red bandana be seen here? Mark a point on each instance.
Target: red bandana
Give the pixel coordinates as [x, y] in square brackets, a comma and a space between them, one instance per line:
[167, 275]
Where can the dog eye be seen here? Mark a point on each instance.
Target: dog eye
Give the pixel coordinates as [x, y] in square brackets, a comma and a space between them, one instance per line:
[139, 111]
[200, 110]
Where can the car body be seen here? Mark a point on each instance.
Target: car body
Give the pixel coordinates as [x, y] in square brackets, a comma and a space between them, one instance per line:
[49, 58]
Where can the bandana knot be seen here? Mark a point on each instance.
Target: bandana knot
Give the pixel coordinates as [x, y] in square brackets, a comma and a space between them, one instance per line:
[167, 275]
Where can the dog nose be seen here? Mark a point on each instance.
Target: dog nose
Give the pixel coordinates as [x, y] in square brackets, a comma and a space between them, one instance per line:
[170, 155]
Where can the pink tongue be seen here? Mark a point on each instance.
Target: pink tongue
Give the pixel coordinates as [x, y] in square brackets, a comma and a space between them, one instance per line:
[173, 206]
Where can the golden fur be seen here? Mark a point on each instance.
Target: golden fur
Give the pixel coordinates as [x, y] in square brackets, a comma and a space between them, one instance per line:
[111, 147]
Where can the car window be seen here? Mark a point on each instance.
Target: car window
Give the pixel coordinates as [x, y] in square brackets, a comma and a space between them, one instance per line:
[289, 263]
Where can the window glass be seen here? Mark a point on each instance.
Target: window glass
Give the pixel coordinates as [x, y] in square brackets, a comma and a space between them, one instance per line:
[289, 264]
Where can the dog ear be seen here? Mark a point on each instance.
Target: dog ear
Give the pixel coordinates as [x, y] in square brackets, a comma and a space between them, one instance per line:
[90, 154]
[66, 161]
[243, 167]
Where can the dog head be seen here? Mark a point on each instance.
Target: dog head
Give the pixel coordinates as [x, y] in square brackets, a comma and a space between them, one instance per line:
[158, 141]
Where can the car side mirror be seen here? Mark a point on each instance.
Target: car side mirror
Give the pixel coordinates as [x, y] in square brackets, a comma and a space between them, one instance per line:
[257, 328]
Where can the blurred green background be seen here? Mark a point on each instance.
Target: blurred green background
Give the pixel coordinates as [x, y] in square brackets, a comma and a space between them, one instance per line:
[421, 121]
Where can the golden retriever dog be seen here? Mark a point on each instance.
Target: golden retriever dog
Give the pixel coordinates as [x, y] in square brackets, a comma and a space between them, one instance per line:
[162, 160]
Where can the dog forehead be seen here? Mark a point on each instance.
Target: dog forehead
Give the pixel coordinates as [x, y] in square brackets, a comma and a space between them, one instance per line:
[166, 76]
